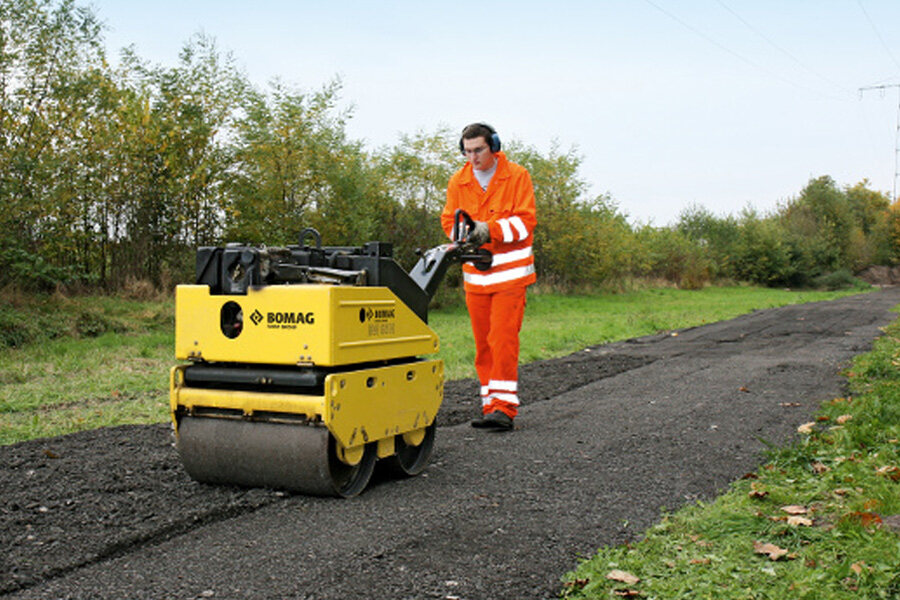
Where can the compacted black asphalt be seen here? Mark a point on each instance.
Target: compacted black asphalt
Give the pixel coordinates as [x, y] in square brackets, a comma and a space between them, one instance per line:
[607, 439]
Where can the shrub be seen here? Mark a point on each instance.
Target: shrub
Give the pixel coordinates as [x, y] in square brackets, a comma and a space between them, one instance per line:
[583, 244]
[25, 325]
[31, 272]
[762, 254]
[674, 257]
[14, 332]
[841, 279]
[91, 324]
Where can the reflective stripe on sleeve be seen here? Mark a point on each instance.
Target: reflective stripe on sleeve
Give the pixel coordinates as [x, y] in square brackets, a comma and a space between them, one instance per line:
[519, 226]
[507, 230]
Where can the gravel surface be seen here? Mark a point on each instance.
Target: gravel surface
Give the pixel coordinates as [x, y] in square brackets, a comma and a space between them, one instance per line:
[606, 439]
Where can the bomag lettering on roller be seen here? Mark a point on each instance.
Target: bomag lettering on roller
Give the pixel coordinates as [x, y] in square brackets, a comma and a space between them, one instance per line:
[305, 363]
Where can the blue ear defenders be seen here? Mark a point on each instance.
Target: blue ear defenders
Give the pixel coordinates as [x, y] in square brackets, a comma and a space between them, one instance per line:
[494, 141]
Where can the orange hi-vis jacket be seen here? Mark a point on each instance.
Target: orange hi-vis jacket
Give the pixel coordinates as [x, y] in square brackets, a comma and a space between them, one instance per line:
[507, 206]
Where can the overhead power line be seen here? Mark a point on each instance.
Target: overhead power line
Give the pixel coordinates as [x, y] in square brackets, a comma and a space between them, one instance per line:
[781, 49]
[737, 55]
[878, 34]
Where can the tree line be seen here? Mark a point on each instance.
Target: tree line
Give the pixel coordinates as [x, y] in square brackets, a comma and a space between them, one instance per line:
[113, 174]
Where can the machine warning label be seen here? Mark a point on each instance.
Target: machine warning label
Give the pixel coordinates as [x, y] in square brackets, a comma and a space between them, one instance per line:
[380, 321]
[283, 319]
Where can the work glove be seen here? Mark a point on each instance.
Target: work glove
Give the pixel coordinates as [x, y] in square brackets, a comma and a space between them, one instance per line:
[479, 235]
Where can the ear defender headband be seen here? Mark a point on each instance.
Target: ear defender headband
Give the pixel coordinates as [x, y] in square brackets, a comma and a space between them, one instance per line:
[493, 140]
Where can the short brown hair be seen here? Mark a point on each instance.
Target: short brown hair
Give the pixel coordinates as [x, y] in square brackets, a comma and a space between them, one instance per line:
[482, 130]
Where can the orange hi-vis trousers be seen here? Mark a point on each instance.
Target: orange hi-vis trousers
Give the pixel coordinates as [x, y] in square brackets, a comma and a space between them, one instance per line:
[496, 322]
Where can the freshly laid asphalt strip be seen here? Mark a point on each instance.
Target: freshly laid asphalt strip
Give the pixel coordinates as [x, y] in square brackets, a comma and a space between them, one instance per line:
[606, 439]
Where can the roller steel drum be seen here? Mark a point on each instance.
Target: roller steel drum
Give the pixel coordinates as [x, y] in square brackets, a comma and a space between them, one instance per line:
[297, 458]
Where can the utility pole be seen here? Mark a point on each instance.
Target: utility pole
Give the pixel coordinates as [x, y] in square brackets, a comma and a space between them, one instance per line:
[883, 88]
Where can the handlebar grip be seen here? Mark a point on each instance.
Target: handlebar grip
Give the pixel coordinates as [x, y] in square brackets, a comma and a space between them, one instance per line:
[462, 217]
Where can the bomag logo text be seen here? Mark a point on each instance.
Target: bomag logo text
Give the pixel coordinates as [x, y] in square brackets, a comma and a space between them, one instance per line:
[274, 319]
[384, 313]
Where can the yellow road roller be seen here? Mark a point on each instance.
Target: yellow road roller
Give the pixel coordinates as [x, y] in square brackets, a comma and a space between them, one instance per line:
[304, 364]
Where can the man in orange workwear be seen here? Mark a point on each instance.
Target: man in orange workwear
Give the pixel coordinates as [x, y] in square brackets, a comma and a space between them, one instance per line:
[499, 196]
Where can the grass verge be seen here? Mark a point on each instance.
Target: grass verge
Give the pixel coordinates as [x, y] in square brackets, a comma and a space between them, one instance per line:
[102, 361]
[820, 520]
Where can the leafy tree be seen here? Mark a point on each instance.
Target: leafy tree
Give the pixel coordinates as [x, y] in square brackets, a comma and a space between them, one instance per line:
[415, 173]
[580, 241]
[717, 237]
[48, 55]
[284, 146]
[821, 217]
[872, 213]
[672, 255]
[172, 162]
[762, 254]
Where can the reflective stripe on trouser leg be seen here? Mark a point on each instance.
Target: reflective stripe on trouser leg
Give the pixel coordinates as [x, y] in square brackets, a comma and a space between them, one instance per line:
[496, 322]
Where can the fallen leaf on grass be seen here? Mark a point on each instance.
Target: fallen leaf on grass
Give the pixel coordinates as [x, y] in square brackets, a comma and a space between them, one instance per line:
[889, 471]
[871, 504]
[622, 576]
[819, 468]
[799, 521]
[806, 427]
[773, 551]
[626, 593]
[577, 583]
[858, 567]
[841, 492]
[866, 519]
[700, 561]
[843, 419]
[757, 492]
[794, 509]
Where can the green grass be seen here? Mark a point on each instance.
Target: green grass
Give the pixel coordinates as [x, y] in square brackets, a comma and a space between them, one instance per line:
[89, 362]
[96, 361]
[845, 474]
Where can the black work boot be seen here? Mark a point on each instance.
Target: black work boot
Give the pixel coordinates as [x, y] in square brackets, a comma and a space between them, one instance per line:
[496, 420]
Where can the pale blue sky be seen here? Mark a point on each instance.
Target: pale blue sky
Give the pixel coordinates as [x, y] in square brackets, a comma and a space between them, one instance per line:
[720, 103]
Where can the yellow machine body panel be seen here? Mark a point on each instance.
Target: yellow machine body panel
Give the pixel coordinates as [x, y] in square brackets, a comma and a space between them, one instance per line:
[358, 407]
[304, 324]
[374, 404]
